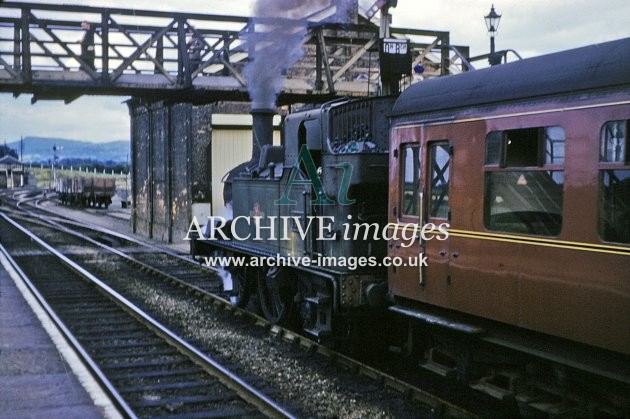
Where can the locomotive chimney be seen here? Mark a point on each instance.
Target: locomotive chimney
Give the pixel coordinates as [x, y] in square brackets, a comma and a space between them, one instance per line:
[262, 127]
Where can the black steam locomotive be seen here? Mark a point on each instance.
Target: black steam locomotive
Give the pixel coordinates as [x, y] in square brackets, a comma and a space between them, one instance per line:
[298, 207]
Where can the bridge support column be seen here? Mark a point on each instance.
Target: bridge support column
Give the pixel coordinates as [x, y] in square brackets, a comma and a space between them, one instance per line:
[170, 145]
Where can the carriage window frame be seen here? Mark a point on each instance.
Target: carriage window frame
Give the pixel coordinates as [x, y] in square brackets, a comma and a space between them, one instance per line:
[441, 209]
[613, 223]
[416, 183]
[528, 163]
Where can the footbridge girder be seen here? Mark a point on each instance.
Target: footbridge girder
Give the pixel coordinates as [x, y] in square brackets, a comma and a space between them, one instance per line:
[146, 53]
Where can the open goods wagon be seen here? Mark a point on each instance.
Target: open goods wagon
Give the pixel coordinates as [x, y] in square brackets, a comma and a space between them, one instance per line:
[86, 191]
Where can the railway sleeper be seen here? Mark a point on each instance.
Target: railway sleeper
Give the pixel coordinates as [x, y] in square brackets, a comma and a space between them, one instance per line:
[560, 392]
[501, 385]
[538, 388]
[522, 383]
[550, 399]
[440, 363]
[533, 387]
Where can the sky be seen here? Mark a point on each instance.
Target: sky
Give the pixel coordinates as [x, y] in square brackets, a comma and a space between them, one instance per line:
[532, 28]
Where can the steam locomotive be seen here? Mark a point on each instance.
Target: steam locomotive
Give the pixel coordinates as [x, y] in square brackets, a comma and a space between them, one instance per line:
[339, 143]
[524, 166]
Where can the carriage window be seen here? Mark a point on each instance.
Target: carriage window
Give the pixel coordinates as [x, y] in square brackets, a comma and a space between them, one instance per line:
[614, 183]
[612, 144]
[493, 148]
[440, 177]
[525, 147]
[521, 147]
[525, 180]
[527, 202]
[411, 181]
[554, 145]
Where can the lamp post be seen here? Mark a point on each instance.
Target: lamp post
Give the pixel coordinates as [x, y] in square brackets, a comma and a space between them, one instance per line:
[492, 23]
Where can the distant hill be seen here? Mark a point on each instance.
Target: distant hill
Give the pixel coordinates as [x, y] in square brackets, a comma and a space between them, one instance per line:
[40, 150]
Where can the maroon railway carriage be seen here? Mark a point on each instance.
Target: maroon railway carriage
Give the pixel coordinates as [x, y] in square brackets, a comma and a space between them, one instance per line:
[529, 163]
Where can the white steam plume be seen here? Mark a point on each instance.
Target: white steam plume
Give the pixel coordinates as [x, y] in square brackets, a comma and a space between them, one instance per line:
[279, 31]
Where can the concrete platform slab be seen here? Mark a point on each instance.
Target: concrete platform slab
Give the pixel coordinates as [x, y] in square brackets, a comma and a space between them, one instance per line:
[46, 393]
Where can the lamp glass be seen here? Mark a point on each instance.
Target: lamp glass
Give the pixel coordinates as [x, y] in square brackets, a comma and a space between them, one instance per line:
[492, 21]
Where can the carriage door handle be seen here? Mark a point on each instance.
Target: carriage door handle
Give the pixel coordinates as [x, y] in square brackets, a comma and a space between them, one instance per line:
[442, 253]
[456, 254]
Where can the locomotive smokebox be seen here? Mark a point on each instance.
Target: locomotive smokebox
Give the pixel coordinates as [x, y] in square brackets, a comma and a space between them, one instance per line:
[262, 127]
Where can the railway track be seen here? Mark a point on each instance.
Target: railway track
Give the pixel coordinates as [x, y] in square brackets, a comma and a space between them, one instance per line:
[172, 280]
[146, 369]
[170, 270]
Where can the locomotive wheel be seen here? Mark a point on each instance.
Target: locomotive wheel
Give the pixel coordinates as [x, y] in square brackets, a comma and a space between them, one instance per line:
[274, 295]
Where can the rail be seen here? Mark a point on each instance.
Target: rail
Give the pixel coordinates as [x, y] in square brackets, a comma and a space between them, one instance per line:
[216, 369]
[185, 281]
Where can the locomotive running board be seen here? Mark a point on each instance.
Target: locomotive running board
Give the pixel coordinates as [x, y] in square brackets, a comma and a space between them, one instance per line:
[435, 320]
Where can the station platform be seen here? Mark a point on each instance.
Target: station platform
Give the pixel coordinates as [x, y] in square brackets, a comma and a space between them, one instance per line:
[36, 380]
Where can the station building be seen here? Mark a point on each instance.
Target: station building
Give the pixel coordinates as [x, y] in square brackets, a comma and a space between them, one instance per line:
[12, 173]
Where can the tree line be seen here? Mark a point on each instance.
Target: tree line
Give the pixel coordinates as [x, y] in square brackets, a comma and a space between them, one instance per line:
[6, 151]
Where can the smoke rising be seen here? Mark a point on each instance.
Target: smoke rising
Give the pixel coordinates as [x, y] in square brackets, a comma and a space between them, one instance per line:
[276, 38]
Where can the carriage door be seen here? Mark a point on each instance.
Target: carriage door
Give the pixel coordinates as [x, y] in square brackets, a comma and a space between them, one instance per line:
[436, 278]
[405, 277]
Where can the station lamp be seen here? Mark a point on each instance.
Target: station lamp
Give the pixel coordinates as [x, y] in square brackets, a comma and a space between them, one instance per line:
[492, 23]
